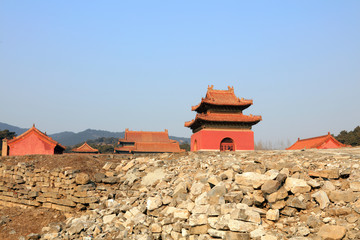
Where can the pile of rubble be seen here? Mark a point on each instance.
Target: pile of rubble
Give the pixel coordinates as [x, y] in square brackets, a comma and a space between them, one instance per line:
[312, 194]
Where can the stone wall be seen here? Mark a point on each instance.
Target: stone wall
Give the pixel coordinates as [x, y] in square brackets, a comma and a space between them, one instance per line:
[61, 188]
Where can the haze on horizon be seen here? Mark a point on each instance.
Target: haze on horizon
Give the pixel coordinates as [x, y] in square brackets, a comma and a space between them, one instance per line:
[111, 65]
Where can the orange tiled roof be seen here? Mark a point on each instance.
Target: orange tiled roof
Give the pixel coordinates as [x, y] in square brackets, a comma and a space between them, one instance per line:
[85, 148]
[142, 136]
[125, 148]
[148, 142]
[222, 97]
[224, 117]
[41, 135]
[315, 142]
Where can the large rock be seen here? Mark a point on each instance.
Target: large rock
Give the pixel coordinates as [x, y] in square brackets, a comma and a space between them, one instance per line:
[321, 198]
[270, 186]
[355, 186]
[197, 219]
[82, 178]
[236, 236]
[240, 226]
[296, 185]
[153, 203]
[108, 218]
[202, 229]
[332, 232]
[153, 176]
[98, 177]
[272, 214]
[155, 228]
[327, 173]
[216, 192]
[295, 203]
[252, 179]
[341, 196]
[128, 166]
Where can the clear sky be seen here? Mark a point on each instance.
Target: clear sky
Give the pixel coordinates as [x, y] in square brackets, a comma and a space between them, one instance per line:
[111, 65]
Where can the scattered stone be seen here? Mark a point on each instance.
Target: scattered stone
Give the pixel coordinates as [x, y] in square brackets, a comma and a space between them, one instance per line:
[321, 198]
[108, 218]
[208, 195]
[341, 196]
[252, 179]
[272, 214]
[332, 232]
[355, 186]
[82, 178]
[153, 203]
[327, 173]
[313, 222]
[155, 228]
[296, 185]
[303, 231]
[33, 236]
[295, 202]
[152, 177]
[270, 186]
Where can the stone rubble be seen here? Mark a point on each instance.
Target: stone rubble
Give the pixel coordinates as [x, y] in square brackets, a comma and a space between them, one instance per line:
[312, 194]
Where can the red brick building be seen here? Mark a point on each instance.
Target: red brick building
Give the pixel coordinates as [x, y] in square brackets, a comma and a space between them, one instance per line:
[147, 142]
[33, 141]
[220, 124]
[321, 142]
[85, 148]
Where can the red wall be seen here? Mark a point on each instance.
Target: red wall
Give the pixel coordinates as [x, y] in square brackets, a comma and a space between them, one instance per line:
[31, 144]
[211, 139]
[329, 144]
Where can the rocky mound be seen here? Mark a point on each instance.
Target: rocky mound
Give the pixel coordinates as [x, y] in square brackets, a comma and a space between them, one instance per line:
[312, 194]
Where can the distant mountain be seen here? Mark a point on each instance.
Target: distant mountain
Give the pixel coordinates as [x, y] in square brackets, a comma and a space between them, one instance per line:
[11, 128]
[70, 138]
[180, 139]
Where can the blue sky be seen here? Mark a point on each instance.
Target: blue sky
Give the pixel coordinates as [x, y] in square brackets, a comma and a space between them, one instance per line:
[111, 65]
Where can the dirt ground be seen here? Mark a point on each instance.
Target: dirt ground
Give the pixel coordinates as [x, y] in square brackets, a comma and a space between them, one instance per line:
[87, 163]
[16, 222]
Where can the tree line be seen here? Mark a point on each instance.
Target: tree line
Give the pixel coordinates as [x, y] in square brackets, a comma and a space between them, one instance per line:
[6, 134]
[349, 138]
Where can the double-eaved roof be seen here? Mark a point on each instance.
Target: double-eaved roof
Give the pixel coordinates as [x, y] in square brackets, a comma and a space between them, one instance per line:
[222, 98]
[321, 142]
[222, 106]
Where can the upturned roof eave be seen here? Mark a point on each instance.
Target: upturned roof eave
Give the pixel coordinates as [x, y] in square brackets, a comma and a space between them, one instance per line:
[235, 104]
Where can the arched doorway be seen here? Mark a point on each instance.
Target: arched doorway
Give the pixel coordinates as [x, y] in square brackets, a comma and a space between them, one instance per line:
[195, 146]
[227, 144]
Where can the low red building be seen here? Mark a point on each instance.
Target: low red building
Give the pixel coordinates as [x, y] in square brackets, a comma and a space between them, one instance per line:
[321, 142]
[85, 148]
[220, 125]
[33, 141]
[147, 142]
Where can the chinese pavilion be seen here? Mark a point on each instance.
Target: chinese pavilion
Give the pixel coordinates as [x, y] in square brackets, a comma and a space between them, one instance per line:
[33, 141]
[85, 148]
[146, 142]
[321, 142]
[220, 123]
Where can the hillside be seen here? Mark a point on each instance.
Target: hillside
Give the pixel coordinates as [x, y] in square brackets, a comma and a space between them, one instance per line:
[68, 138]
